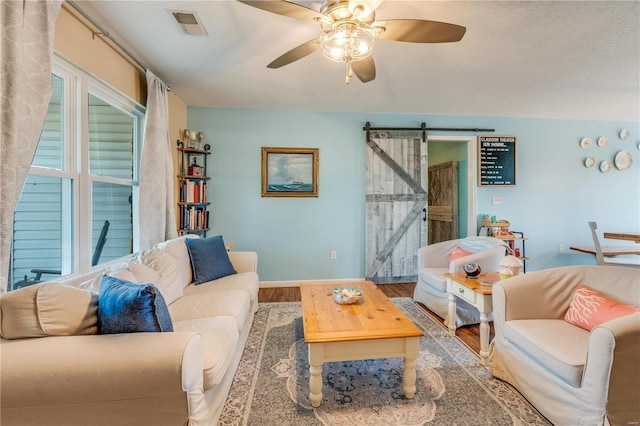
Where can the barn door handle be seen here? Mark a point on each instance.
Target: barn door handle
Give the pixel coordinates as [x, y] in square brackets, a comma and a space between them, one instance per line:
[424, 214]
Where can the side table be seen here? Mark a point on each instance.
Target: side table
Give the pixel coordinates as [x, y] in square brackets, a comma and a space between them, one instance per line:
[478, 292]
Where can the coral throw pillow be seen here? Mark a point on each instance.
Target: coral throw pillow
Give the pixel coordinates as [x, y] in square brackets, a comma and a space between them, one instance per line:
[457, 253]
[589, 308]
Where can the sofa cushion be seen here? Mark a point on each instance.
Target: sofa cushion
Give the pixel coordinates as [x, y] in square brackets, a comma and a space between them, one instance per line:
[219, 343]
[589, 308]
[554, 343]
[434, 277]
[245, 281]
[158, 267]
[177, 249]
[126, 307]
[48, 309]
[209, 259]
[233, 303]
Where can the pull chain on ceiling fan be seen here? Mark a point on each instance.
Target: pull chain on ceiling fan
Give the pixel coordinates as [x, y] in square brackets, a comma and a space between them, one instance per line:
[349, 31]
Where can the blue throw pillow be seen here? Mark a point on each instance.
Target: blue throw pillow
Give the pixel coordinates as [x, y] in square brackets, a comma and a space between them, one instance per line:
[126, 307]
[209, 259]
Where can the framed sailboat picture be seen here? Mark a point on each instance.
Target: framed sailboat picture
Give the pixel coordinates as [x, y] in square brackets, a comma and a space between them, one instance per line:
[289, 172]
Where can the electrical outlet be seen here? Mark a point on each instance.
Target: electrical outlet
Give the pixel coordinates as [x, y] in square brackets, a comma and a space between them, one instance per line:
[560, 248]
[334, 255]
[496, 199]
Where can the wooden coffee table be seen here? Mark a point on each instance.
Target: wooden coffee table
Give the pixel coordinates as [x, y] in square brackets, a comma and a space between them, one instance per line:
[373, 328]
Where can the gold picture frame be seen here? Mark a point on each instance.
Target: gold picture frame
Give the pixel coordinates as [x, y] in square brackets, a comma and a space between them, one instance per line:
[290, 172]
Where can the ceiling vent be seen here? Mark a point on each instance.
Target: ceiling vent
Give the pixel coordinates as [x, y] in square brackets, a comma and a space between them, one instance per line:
[189, 22]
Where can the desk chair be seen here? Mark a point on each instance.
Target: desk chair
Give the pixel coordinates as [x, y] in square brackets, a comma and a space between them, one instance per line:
[601, 260]
[102, 239]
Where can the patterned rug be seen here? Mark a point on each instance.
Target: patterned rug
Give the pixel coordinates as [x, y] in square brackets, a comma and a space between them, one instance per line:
[271, 386]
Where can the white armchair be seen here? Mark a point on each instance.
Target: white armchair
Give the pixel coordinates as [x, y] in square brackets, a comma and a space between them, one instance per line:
[571, 375]
[434, 261]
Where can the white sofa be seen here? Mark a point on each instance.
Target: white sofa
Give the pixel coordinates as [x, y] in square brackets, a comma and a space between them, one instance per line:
[571, 375]
[154, 378]
[434, 261]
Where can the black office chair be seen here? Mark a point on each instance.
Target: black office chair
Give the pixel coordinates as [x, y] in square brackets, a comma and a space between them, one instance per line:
[102, 239]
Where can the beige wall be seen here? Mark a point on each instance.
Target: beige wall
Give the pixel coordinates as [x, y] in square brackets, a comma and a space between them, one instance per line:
[102, 58]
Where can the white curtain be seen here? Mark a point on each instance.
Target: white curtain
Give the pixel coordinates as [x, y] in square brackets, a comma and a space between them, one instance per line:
[27, 32]
[157, 209]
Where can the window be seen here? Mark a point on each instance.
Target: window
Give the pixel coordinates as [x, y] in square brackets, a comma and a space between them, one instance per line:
[79, 203]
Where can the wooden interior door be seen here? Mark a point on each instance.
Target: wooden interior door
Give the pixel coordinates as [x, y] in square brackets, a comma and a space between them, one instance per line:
[443, 202]
[395, 198]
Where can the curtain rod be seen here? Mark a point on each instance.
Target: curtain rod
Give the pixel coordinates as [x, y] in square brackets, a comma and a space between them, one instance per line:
[102, 32]
[423, 127]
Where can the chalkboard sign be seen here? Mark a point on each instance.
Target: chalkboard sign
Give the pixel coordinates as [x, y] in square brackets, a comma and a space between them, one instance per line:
[497, 160]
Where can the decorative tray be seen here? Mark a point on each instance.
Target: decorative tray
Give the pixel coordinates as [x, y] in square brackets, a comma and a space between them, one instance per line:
[347, 295]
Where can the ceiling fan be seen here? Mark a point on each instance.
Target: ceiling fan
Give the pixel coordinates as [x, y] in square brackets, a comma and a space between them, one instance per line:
[349, 30]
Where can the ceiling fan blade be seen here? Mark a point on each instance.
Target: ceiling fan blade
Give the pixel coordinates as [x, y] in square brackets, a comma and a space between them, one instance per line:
[365, 69]
[367, 7]
[285, 8]
[420, 31]
[296, 53]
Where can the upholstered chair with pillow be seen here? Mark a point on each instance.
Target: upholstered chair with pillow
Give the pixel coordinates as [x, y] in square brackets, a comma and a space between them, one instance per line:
[568, 339]
[450, 256]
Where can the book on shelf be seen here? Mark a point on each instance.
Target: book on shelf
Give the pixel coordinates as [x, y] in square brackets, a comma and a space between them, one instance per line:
[193, 192]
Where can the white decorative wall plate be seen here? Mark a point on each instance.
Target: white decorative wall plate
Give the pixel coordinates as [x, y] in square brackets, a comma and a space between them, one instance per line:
[602, 141]
[624, 133]
[585, 142]
[623, 160]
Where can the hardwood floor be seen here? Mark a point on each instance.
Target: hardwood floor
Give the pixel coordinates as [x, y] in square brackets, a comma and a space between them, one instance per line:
[469, 334]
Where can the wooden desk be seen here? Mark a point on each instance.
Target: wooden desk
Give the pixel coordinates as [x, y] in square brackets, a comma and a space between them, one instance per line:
[607, 251]
[479, 294]
[627, 236]
[373, 328]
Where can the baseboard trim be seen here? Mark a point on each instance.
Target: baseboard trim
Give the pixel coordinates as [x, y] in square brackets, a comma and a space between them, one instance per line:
[296, 283]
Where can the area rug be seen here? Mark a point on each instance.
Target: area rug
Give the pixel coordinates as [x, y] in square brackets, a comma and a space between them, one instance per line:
[271, 386]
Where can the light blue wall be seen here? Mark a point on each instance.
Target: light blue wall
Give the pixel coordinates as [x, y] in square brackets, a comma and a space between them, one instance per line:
[555, 196]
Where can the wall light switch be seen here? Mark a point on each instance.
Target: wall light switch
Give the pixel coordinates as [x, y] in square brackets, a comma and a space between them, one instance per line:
[496, 199]
[333, 255]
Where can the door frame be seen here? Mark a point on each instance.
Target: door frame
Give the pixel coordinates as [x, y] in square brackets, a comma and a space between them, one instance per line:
[472, 178]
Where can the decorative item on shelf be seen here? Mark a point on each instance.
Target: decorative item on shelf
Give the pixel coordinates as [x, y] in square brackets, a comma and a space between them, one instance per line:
[191, 143]
[200, 143]
[194, 169]
[510, 266]
[347, 295]
[207, 147]
[472, 270]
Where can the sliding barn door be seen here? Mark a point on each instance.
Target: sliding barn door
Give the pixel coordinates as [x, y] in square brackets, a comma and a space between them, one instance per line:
[396, 200]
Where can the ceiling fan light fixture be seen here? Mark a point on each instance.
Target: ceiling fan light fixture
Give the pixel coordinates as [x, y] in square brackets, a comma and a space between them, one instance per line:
[349, 41]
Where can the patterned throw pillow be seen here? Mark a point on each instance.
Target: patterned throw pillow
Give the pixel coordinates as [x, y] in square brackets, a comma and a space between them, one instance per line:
[457, 253]
[589, 308]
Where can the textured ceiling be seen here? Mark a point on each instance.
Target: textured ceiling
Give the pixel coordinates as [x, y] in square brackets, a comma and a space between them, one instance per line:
[545, 59]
